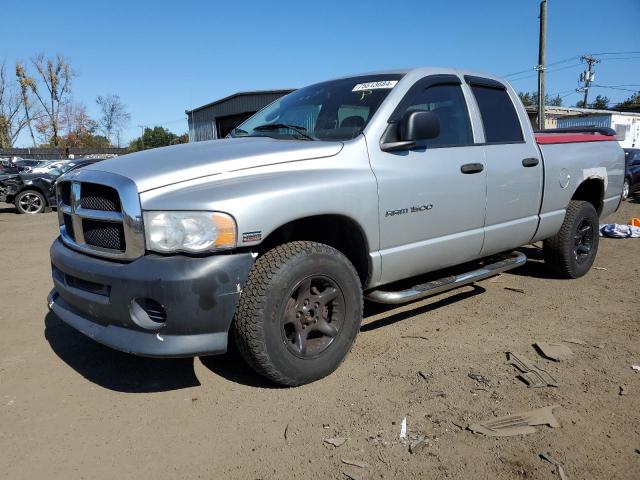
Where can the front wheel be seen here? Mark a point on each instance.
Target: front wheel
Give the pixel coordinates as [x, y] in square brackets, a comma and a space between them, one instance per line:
[625, 189]
[571, 252]
[299, 312]
[30, 201]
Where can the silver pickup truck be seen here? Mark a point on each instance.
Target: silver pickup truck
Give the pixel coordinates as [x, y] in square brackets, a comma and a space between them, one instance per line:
[332, 194]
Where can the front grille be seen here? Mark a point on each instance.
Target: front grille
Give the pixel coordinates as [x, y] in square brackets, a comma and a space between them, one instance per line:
[68, 225]
[99, 214]
[104, 234]
[65, 192]
[99, 197]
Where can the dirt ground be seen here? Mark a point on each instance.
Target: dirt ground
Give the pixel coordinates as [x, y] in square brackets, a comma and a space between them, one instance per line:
[70, 408]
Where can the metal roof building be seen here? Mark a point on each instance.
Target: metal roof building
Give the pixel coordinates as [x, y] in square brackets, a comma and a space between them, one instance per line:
[217, 119]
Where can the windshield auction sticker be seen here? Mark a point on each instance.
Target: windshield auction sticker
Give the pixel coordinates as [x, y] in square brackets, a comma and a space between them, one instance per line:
[374, 85]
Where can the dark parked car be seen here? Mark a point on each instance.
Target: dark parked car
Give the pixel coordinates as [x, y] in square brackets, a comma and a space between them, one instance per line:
[632, 174]
[18, 165]
[34, 192]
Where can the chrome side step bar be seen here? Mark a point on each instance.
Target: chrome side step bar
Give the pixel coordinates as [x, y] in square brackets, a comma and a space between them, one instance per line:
[504, 263]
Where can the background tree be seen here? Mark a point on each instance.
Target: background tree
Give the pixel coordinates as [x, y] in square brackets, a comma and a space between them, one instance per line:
[113, 116]
[530, 99]
[599, 103]
[631, 104]
[27, 84]
[184, 138]
[12, 116]
[153, 138]
[79, 129]
[52, 90]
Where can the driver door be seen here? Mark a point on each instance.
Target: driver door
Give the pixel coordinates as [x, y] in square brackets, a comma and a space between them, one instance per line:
[431, 203]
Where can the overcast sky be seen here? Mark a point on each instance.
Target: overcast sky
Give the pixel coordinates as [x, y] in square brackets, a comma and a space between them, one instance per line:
[165, 57]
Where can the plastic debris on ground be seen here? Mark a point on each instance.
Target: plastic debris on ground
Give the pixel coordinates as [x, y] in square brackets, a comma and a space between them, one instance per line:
[534, 376]
[516, 424]
[336, 442]
[513, 289]
[636, 367]
[557, 464]
[479, 378]
[403, 428]
[615, 230]
[554, 351]
[355, 463]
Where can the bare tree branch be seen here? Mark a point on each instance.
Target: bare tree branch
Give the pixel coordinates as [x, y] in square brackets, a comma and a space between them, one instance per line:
[114, 116]
[55, 75]
[12, 116]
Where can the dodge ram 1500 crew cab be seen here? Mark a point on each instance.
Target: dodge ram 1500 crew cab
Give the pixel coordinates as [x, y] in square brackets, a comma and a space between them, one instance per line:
[333, 193]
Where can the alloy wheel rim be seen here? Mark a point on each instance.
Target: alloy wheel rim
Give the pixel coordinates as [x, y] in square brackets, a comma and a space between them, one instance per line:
[313, 316]
[583, 241]
[30, 203]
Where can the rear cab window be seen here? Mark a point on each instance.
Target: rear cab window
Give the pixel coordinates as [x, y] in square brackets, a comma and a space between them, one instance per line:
[499, 116]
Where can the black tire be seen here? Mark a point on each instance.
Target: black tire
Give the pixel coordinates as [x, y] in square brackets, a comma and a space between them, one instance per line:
[572, 251]
[30, 202]
[273, 313]
[625, 189]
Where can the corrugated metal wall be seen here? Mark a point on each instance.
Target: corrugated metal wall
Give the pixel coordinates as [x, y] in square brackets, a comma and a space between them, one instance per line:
[202, 122]
[591, 120]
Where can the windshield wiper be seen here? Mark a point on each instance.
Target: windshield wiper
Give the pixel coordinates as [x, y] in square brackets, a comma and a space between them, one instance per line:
[240, 132]
[278, 126]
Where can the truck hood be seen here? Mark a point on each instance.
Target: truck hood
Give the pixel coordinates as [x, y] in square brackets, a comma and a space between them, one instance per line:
[159, 167]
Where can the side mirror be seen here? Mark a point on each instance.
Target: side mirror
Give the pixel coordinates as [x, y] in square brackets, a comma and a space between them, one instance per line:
[414, 126]
[419, 125]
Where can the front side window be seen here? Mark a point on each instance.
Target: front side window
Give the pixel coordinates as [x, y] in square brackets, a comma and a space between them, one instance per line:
[499, 117]
[335, 110]
[447, 102]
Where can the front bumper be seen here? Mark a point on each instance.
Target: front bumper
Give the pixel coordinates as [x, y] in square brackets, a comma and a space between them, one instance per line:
[100, 297]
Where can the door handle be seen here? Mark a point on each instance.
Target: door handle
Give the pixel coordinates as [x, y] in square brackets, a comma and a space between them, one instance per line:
[472, 168]
[530, 162]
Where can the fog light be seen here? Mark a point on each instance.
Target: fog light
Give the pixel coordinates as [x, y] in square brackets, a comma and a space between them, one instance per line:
[147, 313]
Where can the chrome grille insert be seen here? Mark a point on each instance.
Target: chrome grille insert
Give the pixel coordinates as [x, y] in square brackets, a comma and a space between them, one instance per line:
[99, 213]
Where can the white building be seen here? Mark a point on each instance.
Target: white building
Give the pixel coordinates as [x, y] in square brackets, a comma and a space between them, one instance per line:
[626, 124]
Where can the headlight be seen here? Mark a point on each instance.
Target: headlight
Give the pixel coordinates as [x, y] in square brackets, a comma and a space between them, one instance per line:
[193, 232]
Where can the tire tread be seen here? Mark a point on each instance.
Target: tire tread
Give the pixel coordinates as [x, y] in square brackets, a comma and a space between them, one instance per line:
[249, 333]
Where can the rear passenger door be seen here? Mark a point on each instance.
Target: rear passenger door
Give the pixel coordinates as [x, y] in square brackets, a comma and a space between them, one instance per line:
[513, 164]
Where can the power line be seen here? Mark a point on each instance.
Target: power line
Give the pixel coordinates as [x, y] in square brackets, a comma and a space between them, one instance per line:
[614, 53]
[576, 57]
[619, 58]
[547, 71]
[614, 87]
[534, 68]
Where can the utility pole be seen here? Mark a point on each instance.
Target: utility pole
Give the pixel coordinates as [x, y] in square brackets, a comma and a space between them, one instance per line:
[542, 46]
[587, 77]
[142, 127]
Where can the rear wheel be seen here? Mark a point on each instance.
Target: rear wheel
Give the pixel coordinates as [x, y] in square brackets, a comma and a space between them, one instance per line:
[299, 312]
[625, 189]
[571, 252]
[30, 201]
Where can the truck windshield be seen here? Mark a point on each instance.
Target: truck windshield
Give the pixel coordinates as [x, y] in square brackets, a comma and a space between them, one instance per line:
[335, 110]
